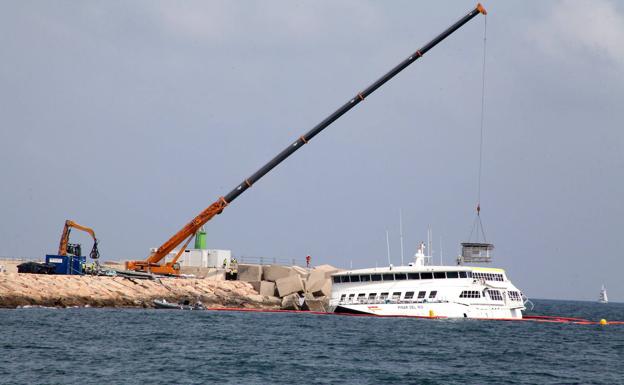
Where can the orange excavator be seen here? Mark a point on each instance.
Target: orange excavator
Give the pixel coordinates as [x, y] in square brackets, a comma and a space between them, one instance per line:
[153, 262]
[66, 248]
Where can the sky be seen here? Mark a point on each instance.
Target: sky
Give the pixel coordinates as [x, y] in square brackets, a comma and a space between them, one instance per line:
[132, 117]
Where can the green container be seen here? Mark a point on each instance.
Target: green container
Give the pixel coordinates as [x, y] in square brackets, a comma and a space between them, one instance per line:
[200, 239]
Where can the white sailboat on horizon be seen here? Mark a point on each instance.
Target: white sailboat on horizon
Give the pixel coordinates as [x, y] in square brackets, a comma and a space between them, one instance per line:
[603, 295]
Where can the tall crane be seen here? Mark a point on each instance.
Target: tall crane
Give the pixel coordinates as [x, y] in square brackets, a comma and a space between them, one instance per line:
[152, 263]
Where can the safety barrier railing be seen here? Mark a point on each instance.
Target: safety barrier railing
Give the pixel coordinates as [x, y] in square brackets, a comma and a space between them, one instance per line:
[270, 260]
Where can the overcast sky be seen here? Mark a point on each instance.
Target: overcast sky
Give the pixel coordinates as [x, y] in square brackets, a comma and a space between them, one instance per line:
[132, 117]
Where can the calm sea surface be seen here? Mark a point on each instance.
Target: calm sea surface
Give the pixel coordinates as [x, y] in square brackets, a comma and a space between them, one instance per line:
[111, 346]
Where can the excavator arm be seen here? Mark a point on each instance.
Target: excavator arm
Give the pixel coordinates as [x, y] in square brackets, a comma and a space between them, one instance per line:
[152, 263]
[65, 238]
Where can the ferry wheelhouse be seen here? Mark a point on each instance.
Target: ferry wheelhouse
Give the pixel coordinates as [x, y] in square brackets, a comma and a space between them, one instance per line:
[424, 290]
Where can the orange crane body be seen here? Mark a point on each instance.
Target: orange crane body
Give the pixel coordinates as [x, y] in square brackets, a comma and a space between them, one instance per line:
[152, 263]
[65, 235]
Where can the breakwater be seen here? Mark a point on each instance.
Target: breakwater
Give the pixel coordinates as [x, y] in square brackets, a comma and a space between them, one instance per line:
[99, 291]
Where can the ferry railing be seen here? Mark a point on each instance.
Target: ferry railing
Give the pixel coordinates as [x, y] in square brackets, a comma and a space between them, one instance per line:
[378, 301]
[270, 260]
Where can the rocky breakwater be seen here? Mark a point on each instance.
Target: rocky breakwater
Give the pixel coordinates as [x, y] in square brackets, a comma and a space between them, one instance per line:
[295, 287]
[65, 290]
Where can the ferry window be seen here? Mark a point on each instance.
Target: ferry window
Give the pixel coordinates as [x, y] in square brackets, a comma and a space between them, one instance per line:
[361, 297]
[433, 293]
[470, 294]
[462, 274]
[372, 296]
[499, 277]
[355, 278]
[365, 278]
[421, 294]
[452, 274]
[426, 276]
[351, 297]
[375, 277]
[342, 297]
[344, 278]
[336, 279]
[439, 275]
[495, 295]
[413, 276]
[396, 295]
[388, 277]
[383, 296]
[400, 276]
[409, 295]
[469, 274]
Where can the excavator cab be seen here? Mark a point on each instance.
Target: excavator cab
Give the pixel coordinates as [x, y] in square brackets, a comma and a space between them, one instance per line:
[74, 249]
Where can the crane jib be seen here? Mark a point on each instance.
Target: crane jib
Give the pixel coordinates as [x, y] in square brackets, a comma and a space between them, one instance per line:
[347, 106]
[190, 228]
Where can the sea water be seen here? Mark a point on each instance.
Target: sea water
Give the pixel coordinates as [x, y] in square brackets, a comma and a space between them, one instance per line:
[148, 346]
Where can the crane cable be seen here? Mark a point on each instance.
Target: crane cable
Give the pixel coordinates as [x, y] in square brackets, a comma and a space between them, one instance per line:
[478, 217]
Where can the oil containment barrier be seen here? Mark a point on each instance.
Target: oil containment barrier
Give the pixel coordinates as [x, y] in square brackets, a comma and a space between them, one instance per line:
[527, 318]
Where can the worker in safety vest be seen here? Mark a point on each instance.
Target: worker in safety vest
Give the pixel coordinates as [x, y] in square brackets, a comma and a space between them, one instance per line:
[224, 262]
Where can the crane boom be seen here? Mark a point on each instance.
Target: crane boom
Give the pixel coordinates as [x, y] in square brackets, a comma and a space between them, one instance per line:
[152, 262]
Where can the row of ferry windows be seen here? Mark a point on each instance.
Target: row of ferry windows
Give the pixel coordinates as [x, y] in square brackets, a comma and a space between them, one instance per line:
[495, 295]
[402, 276]
[384, 296]
[488, 276]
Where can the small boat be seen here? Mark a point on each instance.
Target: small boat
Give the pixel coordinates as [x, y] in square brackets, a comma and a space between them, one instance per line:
[185, 305]
[603, 295]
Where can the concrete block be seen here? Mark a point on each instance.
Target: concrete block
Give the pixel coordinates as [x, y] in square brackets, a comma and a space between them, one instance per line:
[327, 269]
[255, 285]
[320, 304]
[289, 285]
[274, 272]
[315, 281]
[249, 273]
[303, 273]
[291, 302]
[267, 288]
[323, 291]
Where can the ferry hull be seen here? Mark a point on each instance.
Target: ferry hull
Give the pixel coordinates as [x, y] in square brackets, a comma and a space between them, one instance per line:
[440, 310]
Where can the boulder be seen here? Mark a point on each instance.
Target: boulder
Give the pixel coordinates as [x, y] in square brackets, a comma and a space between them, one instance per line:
[291, 302]
[249, 273]
[275, 272]
[289, 285]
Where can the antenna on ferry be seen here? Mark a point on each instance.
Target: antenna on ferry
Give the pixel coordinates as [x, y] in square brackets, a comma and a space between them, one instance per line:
[401, 231]
[388, 246]
[429, 241]
[441, 263]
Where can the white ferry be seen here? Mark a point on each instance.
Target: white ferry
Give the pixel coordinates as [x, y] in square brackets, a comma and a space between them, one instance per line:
[424, 290]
